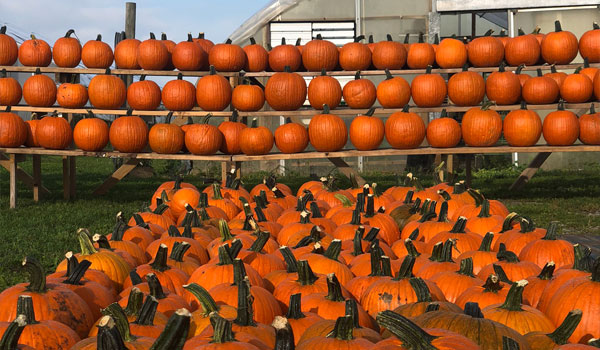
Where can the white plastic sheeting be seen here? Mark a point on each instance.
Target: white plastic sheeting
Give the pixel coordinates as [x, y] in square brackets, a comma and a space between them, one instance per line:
[260, 19]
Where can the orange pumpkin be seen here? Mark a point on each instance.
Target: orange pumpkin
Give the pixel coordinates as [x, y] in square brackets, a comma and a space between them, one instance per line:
[213, 92]
[359, 93]
[389, 54]
[97, 54]
[10, 90]
[355, 55]
[451, 53]
[189, 56]
[71, 95]
[35, 53]
[320, 54]
[91, 134]
[560, 128]
[54, 132]
[324, 90]
[126, 53]
[107, 91]
[485, 51]
[67, 51]
[285, 55]
[420, 55]
[327, 132]
[166, 138]
[231, 130]
[227, 57]
[540, 90]
[466, 88]
[9, 52]
[576, 88]
[503, 87]
[39, 90]
[257, 58]
[589, 128]
[522, 127]
[203, 139]
[178, 95]
[285, 91]
[291, 137]
[247, 97]
[589, 47]
[128, 134]
[256, 140]
[481, 127]
[13, 130]
[393, 92]
[428, 90]
[559, 47]
[522, 49]
[404, 129]
[443, 132]
[366, 131]
[144, 94]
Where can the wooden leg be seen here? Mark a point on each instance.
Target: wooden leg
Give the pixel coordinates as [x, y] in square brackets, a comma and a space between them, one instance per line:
[66, 178]
[22, 175]
[468, 170]
[72, 173]
[117, 176]
[13, 180]
[450, 165]
[347, 170]
[37, 176]
[528, 173]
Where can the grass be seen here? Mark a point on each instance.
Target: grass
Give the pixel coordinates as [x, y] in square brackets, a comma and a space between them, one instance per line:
[46, 230]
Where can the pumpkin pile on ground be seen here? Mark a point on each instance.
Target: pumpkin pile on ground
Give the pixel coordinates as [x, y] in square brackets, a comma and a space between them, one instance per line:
[410, 267]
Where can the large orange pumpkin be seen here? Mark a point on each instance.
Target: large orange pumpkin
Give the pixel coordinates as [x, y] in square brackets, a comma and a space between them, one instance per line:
[522, 49]
[35, 53]
[128, 134]
[366, 131]
[54, 132]
[179, 95]
[327, 132]
[227, 57]
[257, 58]
[486, 51]
[203, 139]
[576, 88]
[213, 92]
[189, 56]
[389, 54]
[502, 87]
[247, 97]
[91, 134]
[291, 137]
[256, 140]
[589, 44]
[166, 138]
[404, 129]
[481, 127]
[39, 90]
[67, 51]
[10, 90]
[451, 53]
[70, 95]
[466, 88]
[324, 90]
[152, 54]
[560, 128]
[559, 47]
[428, 90]
[231, 130]
[393, 92]
[589, 128]
[285, 91]
[443, 132]
[97, 54]
[540, 90]
[320, 54]
[126, 53]
[522, 127]
[355, 55]
[359, 93]
[285, 55]
[9, 52]
[420, 54]
[13, 130]
[107, 91]
[144, 94]
[170, 45]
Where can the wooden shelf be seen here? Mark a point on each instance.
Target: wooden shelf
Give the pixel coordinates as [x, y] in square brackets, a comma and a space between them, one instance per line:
[111, 154]
[268, 74]
[342, 112]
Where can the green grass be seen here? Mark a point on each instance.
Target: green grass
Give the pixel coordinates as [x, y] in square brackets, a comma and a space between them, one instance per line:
[47, 229]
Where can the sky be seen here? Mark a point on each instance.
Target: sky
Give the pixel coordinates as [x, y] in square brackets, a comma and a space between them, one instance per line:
[51, 19]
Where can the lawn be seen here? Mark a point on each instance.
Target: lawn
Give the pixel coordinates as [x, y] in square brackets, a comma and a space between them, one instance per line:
[47, 229]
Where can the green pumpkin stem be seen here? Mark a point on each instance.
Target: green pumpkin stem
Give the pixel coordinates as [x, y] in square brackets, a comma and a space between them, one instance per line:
[485, 209]
[486, 243]
[226, 234]
[115, 311]
[520, 32]
[156, 289]
[562, 333]
[514, 298]
[135, 278]
[499, 271]
[294, 310]
[411, 335]
[410, 248]
[436, 252]
[507, 224]
[204, 298]
[160, 259]
[509, 343]
[260, 242]
[244, 312]
[174, 336]
[372, 234]
[135, 302]
[179, 250]
[386, 266]
[305, 274]
[596, 270]
[10, 339]
[547, 271]
[147, 312]
[77, 274]
[284, 336]
[551, 232]
[334, 288]
[557, 26]
[421, 290]
[343, 329]
[239, 271]
[466, 267]
[37, 277]
[357, 242]
[459, 226]
[472, 309]
[290, 260]
[334, 250]
[582, 260]
[25, 307]
[375, 258]
[352, 311]
[85, 244]
[406, 269]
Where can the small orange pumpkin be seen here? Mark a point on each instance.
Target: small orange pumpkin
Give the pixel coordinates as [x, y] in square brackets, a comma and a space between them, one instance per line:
[366, 131]
[481, 127]
[560, 128]
[522, 127]
[291, 137]
[405, 130]
[91, 134]
[443, 132]
[256, 140]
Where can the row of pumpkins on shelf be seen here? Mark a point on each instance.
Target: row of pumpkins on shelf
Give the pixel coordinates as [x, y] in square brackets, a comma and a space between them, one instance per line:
[226, 268]
[286, 91]
[326, 132]
[558, 47]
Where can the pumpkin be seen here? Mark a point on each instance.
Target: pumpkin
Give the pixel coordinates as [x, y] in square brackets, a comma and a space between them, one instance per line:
[31, 126]
[178, 95]
[559, 47]
[66, 51]
[11, 337]
[510, 268]
[389, 54]
[97, 54]
[340, 338]
[247, 97]
[393, 92]
[588, 44]
[107, 91]
[481, 127]
[170, 45]
[443, 132]
[9, 51]
[291, 137]
[491, 292]
[589, 127]
[126, 54]
[549, 248]
[451, 53]
[485, 51]
[13, 130]
[366, 131]
[522, 127]
[590, 72]
[128, 134]
[522, 49]
[144, 94]
[560, 128]
[189, 56]
[71, 95]
[10, 90]
[542, 340]
[213, 92]
[39, 90]
[227, 57]
[324, 90]
[206, 44]
[35, 53]
[327, 132]
[482, 256]
[454, 283]
[558, 77]
[576, 88]
[166, 138]
[257, 58]
[285, 55]
[54, 132]
[256, 140]
[466, 88]
[420, 54]
[404, 129]
[535, 288]
[359, 93]
[203, 139]
[502, 87]
[428, 90]
[231, 130]
[285, 91]
[540, 90]
[320, 54]
[355, 55]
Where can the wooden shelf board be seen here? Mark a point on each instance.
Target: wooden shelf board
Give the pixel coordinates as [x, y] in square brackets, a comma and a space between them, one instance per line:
[111, 154]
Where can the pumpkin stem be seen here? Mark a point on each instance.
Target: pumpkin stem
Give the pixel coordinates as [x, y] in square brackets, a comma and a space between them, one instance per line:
[466, 267]
[222, 329]
[343, 329]
[156, 289]
[3, 30]
[485, 209]
[562, 333]
[459, 226]
[386, 266]
[305, 274]
[135, 278]
[486, 243]
[594, 342]
[319, 37]
[582, 258]
[334, 289]
[389, 37]
[514, 298]
[359, 38]
[289, 258]
[421, 290]
[371, 40]
[178, 251]
[507, 256]
[174, 336]
[334, 250]
[406, 269]
[406, 38]
[294, 311]
[596, 270]
[520, 32]
[411, 335]
[432, 307]
[37, 278]
[436, 252]
[239, 271]
[212, 70]
[77, 274]
[372, 234]
[406, 108]
[547, 271]
[492, 284]
[252, 41]
[557, 26]
[465, 67]
[509, 344]
[228, 41]
[410, 247]
[204, 298]
[25, 307]
[499, 271]
[421, 41]
[160, 260]
[472, 309]
[10, 339]
[351, 310]
[284, 336]
[134, 302]
[147, 312]
[282, 41]
[245, 300]
[357, 242]
[375, 256]
[201, 35]
[539, 72]
[436, 38]
[115, 311]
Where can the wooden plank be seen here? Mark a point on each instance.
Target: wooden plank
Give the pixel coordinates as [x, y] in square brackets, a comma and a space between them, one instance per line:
[117, 176]
[347, 170]
[21, 174]
[66, 177]
[37, 176]
[528, 173]
[12, 183]
[108, 154]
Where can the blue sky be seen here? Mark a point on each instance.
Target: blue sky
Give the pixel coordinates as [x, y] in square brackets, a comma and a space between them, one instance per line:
[217, 18]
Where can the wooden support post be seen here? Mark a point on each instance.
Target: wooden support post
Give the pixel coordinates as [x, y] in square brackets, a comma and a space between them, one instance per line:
[66, 177]
[21, 174]
[449, 165]
[117, 176]
[347, 170]
[468, 170]
[37, 176]
[12, 169]
[528, 173]
[72, 176]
